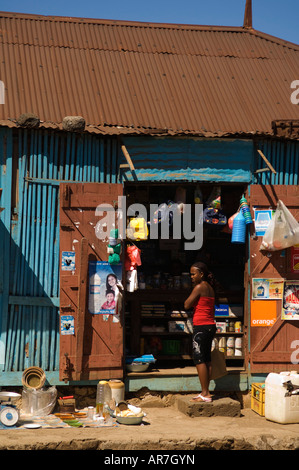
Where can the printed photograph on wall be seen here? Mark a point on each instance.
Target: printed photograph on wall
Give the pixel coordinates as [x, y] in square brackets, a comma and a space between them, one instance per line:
[68, 261]
[290, 306]
[267, 289]
[67, 325]
[103, 289]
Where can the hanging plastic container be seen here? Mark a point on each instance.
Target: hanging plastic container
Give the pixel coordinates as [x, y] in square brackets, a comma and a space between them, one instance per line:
[239, 229]
[117, 388]
[245, 211]
[230, 221]
[103, 396]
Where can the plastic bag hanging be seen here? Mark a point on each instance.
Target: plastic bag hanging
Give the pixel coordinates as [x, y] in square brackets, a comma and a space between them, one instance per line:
[282, 231]
[213, 214]
[137, 229]
[114, 247]
[214, 199]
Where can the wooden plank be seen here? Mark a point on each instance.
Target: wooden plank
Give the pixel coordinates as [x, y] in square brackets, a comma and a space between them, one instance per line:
[269, 346]
[272, 356]
[267, 162]
[96, 349]
[83, 283]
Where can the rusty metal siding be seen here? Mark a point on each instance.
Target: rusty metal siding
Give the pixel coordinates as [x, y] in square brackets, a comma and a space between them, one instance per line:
[125, 77]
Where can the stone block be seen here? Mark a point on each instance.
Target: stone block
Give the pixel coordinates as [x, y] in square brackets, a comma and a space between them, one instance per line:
[218, 407]
[73, 123]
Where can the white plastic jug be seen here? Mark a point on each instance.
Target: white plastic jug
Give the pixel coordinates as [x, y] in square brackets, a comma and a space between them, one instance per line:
[281, 406]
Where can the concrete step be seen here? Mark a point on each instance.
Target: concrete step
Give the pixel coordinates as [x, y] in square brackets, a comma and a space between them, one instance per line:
[220, 406]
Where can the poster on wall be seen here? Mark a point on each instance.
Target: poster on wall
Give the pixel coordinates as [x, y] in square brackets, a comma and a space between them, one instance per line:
[67, 325]
[68, 261]
[266, 289]
[263, 313]
[295, 259]
[290, 304]
[262, 219]
[103, 290]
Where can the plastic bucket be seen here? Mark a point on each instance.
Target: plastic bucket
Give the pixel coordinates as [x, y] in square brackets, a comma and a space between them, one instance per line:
[117, 390]
[239, 229]
[33, 378]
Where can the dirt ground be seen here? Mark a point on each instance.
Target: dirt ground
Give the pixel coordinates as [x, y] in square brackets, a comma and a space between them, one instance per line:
[164, 428]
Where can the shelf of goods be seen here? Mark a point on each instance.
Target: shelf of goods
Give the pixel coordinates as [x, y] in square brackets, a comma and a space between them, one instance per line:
[160, 327]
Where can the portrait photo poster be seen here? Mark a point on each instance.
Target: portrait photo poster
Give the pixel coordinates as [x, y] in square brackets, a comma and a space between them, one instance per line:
[103, 290]
[290, 307]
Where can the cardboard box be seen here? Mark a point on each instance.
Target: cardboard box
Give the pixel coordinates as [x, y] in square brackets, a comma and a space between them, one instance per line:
[221, 326]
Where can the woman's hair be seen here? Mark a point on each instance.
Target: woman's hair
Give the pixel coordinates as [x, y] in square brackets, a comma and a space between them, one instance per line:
[107, 283]
[208, 276]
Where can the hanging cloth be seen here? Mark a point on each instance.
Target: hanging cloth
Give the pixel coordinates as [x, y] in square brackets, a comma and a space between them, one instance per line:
[132, 257]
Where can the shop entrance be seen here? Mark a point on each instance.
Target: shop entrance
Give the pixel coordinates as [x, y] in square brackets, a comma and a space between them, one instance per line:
[155, 319]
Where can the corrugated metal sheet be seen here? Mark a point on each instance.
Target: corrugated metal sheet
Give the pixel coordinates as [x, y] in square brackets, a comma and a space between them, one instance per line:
[189, 159]
[284, 158]
[133, 77]
[32, 164]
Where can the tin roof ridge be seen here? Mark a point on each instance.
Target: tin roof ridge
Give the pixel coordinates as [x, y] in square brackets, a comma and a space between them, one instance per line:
[145, 25]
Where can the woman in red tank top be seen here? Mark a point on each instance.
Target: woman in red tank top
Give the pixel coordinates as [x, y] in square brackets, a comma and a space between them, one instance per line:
[202, 300]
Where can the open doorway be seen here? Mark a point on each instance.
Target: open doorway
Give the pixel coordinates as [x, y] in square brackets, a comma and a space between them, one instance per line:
[155, 320]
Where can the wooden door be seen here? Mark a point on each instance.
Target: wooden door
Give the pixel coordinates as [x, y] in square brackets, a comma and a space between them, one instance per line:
[93, 346]
[272, 347]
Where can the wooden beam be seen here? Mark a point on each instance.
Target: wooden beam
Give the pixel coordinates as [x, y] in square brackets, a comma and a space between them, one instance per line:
[127, 156]
[267, 163]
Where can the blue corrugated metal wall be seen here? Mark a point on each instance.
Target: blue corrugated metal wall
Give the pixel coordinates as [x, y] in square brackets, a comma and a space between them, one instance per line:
[32, 164]
[283, 156]
[190, 159]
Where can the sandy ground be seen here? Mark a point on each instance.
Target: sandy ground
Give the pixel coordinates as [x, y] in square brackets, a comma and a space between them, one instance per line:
[163, 428]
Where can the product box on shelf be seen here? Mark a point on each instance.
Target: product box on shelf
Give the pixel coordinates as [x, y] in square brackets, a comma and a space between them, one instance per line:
[232, 310]
[221, 326]
[221, 310]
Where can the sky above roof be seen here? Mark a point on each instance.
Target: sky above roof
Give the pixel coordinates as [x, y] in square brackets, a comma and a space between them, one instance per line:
[273, 17]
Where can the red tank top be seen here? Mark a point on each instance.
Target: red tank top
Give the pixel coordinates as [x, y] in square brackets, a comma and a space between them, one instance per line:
[204, 311]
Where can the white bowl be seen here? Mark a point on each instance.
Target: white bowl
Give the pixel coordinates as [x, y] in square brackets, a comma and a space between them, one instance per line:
[129, 419]
[137, 367]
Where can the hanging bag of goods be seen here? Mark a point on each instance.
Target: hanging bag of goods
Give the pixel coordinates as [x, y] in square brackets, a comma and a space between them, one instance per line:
[213, 214]
[214, 217]
[282, 231]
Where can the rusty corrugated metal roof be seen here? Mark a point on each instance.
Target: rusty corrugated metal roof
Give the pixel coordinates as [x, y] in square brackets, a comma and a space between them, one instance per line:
[130, 77]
